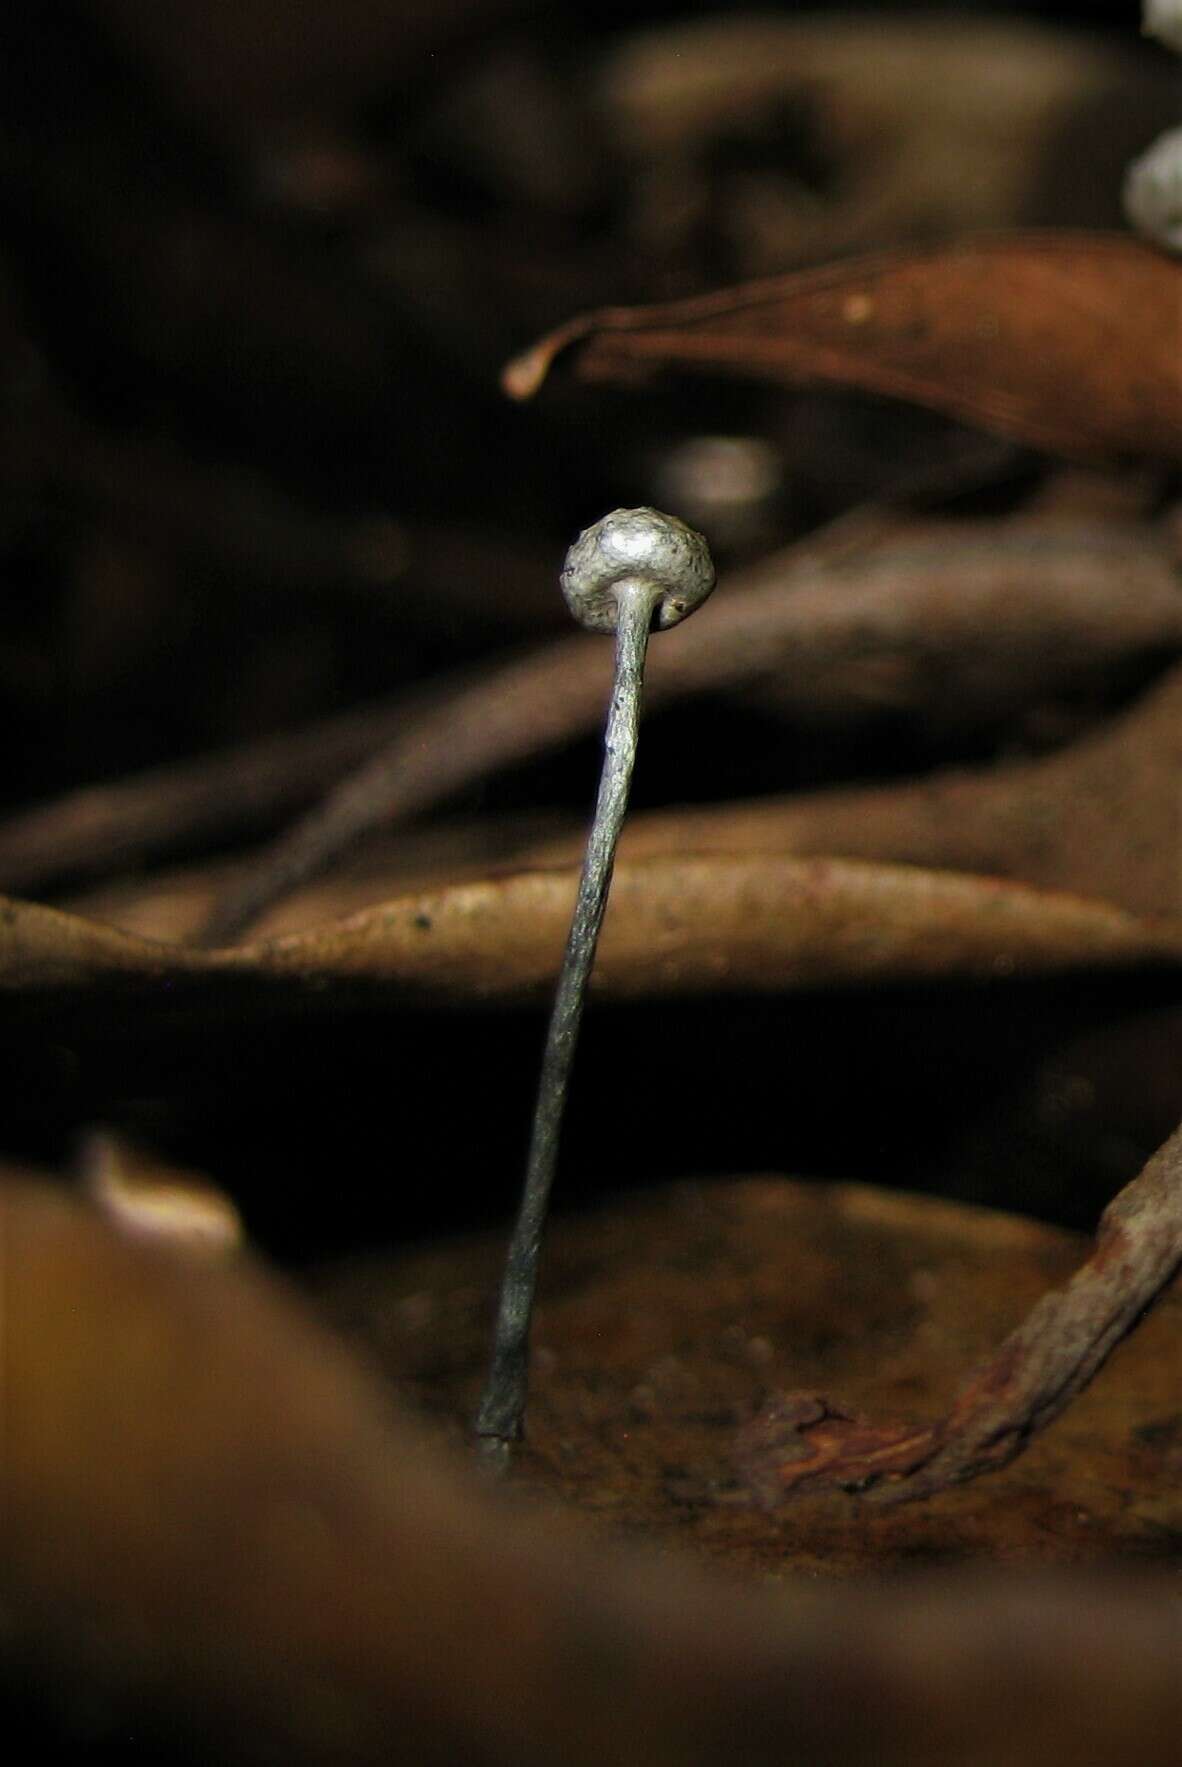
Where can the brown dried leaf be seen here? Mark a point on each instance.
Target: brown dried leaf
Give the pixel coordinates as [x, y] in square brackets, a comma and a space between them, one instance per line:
[977, 625]
[805, 1441]
[674, 926]
[220, 1535]
[174, 904]
[666, 1318]
[1103, 815]
[952, 622]
[1070, 342]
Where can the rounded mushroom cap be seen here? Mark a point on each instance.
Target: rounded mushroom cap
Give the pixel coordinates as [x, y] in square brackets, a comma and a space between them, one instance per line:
[636, 546]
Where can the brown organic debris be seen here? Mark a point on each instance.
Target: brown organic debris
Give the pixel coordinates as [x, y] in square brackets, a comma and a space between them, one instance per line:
[1065, 341]
[951, 622]
[549, 695]
[675, 927]
[964, 620]
[285, 1568]
[807, 1442]
[1101, 816]
[669, 1317]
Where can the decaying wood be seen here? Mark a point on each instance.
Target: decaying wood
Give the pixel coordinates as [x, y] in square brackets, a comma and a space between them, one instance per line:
[221, 1533]
[805, 1440]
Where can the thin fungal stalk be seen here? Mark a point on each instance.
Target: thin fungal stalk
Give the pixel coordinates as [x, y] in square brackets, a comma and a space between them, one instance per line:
[631, 571]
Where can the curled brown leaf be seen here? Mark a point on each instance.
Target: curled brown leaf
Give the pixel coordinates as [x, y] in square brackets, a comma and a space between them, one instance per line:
[675, 926]
[1102, 815]
[1065, 341]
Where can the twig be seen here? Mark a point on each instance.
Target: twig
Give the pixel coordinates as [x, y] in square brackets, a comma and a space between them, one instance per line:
[98, 829]
[806, 1442]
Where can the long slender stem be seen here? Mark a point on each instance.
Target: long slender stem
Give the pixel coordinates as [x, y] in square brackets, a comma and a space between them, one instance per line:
[499, 1419]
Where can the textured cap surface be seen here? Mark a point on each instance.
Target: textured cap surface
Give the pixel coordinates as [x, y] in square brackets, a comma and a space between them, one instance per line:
[636, 545]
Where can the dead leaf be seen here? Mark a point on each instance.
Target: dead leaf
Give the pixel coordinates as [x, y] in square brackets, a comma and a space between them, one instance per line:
[804, 1440]
[222, 1537]
[947, 621]
[1103, 815]
[673, 927]
[985, 626]
[666, 1319]
[1071, 342]
[174, 904]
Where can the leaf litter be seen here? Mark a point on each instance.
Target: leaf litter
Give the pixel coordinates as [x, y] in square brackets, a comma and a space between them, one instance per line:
[1066, 342]
[283, 1554]
[186, 1440]
[675, 926]
[826, 635]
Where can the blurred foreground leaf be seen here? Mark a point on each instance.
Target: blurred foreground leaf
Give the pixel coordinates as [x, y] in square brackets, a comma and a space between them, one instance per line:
[221, 1537]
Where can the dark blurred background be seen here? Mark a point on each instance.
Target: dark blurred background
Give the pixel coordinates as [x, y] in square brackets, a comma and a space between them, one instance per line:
[261, 265]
